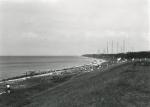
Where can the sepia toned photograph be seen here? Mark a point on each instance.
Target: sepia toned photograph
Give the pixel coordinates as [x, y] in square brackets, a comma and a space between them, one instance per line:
[74, 53]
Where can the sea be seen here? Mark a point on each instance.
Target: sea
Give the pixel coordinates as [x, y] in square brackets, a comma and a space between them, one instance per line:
[11, 66]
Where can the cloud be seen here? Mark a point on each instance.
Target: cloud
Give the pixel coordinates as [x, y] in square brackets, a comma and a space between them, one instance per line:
[29, 1]
[29, 35]
[81, 25]
[115, 33]
[147, 37]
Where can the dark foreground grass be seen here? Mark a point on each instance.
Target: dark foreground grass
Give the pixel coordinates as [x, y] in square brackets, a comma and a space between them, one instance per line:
[126, 85]
[121, 86]
[20, 96]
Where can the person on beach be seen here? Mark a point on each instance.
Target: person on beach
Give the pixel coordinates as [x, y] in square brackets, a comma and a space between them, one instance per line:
[8, 88]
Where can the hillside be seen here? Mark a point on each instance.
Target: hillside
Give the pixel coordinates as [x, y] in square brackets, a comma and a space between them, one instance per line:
[126, 85]
[119, 85]
[128, 55]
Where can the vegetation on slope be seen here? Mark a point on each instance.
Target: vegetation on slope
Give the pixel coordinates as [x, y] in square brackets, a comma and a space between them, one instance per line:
[19, 97]
[121, 85]
[128, 55]
[126, 85]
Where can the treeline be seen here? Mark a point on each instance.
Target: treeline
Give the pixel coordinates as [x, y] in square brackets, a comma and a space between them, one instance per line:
[128, 55]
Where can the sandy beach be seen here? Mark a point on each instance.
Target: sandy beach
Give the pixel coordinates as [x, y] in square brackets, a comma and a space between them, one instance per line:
[24, 80]
[20, 81]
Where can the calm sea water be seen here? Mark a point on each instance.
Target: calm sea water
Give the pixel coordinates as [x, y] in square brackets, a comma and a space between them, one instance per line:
[11, 66]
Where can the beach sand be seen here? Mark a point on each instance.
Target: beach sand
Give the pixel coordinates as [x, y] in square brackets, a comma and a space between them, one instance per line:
[24, 81]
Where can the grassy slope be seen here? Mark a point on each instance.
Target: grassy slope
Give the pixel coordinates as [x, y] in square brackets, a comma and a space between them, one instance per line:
[19, 96]
[121, 86]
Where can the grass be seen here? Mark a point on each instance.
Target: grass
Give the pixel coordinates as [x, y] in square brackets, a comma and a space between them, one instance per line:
[125, 85]
[120, 86]
[19, 97]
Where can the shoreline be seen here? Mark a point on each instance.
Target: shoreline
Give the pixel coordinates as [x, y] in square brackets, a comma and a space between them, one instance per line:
[96, 65]
[100, 64]
[65, 71]
[27, 74]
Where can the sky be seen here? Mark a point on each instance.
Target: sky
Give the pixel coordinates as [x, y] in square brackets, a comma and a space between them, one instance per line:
[73, 27]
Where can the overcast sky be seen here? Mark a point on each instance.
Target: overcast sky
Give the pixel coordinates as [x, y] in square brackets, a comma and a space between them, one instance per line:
[72, 27]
